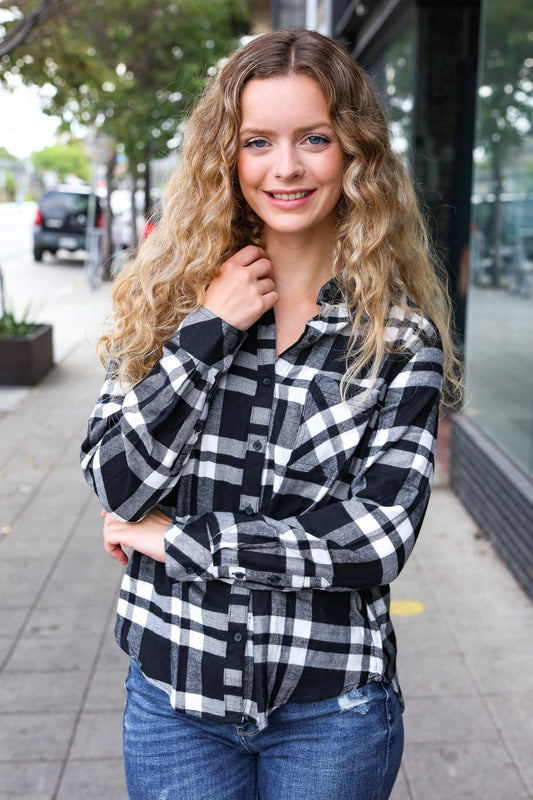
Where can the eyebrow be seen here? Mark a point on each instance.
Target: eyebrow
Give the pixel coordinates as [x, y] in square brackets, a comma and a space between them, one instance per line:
[303, 129]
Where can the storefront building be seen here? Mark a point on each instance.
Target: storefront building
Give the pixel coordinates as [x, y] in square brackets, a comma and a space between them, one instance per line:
[456, 77]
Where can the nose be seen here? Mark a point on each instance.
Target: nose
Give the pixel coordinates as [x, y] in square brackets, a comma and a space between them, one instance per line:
[288, 165]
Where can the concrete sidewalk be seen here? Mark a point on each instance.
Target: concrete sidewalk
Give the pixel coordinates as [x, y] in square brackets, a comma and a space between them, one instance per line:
[464, 626]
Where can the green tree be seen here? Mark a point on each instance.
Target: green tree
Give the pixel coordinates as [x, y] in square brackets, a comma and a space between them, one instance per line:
[64, 160]
[5, 155]
[129, 68]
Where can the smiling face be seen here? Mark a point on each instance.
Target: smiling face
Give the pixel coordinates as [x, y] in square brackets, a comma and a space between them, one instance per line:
[289, 162]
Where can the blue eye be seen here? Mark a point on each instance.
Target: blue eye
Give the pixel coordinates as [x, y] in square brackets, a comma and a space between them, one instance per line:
[315, 139]
[258, 144]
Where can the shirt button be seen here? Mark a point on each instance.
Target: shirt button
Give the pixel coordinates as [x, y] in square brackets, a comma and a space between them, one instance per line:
[190, 570]
[257, 445]
[240, 576]
[266, 381]
[274, 579]
[237, 637]
[199, 426]
[249, 510]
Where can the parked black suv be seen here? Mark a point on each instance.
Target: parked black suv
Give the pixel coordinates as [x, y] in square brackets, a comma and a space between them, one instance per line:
[62, 218]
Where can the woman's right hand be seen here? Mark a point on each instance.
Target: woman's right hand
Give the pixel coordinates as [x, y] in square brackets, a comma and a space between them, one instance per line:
[243, 289]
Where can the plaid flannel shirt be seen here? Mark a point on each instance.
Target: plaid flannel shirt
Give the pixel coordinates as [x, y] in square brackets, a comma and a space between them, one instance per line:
[292, 510]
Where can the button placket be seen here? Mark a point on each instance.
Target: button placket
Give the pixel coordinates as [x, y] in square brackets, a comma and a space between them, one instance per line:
[236, 646]
[260, 416]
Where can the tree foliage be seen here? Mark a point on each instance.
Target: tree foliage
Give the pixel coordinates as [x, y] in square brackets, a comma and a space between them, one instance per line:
[505, 113]
[128, 68]
[21, 20]
[64, 160]
[506, 93]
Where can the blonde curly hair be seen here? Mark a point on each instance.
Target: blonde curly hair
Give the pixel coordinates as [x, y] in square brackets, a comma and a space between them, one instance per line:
[382, 256]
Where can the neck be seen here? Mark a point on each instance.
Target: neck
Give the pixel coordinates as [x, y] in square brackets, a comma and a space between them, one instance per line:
[300, 268]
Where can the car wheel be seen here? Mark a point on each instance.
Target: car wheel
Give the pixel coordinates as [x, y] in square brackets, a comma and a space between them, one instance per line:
[37, 254]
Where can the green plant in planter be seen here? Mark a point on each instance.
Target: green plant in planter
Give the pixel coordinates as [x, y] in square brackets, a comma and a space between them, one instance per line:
[10, 327]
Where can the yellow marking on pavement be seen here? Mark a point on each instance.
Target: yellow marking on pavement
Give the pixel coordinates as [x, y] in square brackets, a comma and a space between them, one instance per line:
[406, 608]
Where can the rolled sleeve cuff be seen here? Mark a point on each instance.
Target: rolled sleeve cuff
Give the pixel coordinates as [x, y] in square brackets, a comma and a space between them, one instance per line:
[208, 338]
[187, 553]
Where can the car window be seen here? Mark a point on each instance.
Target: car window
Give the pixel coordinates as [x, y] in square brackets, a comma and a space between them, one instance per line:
[61, 203]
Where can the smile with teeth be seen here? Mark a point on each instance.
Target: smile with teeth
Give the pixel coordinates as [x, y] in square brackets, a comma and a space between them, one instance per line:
[289, 195]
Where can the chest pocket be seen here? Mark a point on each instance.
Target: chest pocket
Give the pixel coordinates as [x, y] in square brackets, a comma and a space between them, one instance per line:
[330, 429]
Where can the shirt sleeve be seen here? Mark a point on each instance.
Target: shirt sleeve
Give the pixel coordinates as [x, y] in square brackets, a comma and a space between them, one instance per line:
[356, 543]
[138, 442]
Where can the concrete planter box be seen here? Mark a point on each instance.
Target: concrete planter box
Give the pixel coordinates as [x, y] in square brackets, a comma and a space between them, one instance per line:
[25, 359]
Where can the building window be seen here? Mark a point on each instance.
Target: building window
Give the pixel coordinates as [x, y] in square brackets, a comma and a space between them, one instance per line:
[393, 72]
[499, 340]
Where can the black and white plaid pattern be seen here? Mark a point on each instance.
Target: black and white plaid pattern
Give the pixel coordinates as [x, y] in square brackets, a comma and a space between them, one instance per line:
[292, 509]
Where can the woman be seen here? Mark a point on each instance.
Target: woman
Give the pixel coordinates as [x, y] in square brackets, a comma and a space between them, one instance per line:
[264, 441]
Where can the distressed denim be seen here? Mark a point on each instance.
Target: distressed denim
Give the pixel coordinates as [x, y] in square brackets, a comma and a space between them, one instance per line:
[346, 748]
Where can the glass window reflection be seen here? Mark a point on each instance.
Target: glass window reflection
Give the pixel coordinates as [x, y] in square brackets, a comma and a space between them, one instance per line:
[499, 344]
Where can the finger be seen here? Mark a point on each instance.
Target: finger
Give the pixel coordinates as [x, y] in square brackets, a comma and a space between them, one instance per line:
[116, 552]
[260, 268]
[266, 285]
[249, 254]
[269, 300]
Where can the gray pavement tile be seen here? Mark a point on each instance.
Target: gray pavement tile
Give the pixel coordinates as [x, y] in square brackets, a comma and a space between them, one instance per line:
[463, 771]
[512, 714]
[501, 667]
[40, 692]
[70, 619]
[81, 592]
[106, 690]
[31, 538]
[111, 657]
[425, 631]
[35, 737]
[93, 780]
[511, 630]
[448, 522]
[92, 568]
[428, 672]
[55, 653]
[36, 781]
[10, 397]
[521, 750]
[401, 788]
[5, 646]
[21, 580]
[448, 719]
[474, 591]
[98, 735]
[11, 620]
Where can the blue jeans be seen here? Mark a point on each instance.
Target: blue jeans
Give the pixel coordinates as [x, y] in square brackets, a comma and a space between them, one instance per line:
[346, 748]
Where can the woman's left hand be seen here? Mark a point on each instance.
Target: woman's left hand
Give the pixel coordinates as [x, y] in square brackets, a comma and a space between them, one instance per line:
[146, 536]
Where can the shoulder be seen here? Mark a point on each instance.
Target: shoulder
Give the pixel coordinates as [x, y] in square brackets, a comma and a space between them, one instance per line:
[408, 329]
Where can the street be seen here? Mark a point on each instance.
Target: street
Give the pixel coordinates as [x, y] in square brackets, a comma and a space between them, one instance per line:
[53, 291]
